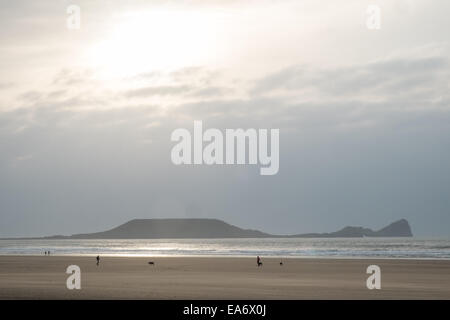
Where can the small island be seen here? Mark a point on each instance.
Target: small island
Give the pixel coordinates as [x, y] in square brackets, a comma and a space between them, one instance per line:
[214, 228]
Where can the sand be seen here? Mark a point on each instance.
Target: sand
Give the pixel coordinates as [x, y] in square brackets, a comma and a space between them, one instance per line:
[44, 277]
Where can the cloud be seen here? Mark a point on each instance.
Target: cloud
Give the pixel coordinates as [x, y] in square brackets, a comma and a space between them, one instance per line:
[73, 76]
[24, 157]
[158, 91]
[379, 80]
[6, 85]
[30, 96]
[355, 97]
[209, 92]
[364, 132]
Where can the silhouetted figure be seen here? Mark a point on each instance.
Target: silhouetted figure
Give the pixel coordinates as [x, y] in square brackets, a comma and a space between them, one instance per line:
[281, 262]
[98, 260]
[258, 261]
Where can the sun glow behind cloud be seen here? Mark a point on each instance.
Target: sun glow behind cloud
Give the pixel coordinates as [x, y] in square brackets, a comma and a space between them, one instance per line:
[98, 104]
[158, 39]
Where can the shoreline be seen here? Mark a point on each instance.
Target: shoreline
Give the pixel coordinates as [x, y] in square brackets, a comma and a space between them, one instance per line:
[90, 255]
[171, 277]
[339, 248]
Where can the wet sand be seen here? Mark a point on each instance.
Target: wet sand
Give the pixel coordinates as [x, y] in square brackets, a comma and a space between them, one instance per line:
[44, 277]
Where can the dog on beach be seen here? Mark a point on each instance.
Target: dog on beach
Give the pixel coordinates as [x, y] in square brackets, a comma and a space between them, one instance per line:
[151, 262]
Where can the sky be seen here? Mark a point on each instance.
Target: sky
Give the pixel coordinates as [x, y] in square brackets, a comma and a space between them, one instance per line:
[86, 114]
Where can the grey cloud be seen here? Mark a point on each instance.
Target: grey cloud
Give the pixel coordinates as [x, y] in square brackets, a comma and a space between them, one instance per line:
[30, 96]
[174, 90]
[6, 85]
[149, 75]
[208, 92]
[192, 81]
[343, 159]
[71, 77]
[158, 91]
[382, 77]
[188, 72]
[56, 94]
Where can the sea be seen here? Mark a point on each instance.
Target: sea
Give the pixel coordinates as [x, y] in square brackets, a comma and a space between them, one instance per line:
[404, 248]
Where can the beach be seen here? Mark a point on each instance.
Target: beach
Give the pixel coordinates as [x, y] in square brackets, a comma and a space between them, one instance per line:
[44, 277]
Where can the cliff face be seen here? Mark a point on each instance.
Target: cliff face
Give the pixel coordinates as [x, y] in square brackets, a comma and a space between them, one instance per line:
[399, 228]
[213, 228]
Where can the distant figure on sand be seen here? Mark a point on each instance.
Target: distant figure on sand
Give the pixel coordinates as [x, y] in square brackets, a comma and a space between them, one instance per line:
[98, 260]
[258, 261]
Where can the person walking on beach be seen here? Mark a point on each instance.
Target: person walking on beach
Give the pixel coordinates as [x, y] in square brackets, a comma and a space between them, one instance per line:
[258, 261]
[98, 260]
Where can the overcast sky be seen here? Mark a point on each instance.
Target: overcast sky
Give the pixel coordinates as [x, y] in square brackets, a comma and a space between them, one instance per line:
[86, 114]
